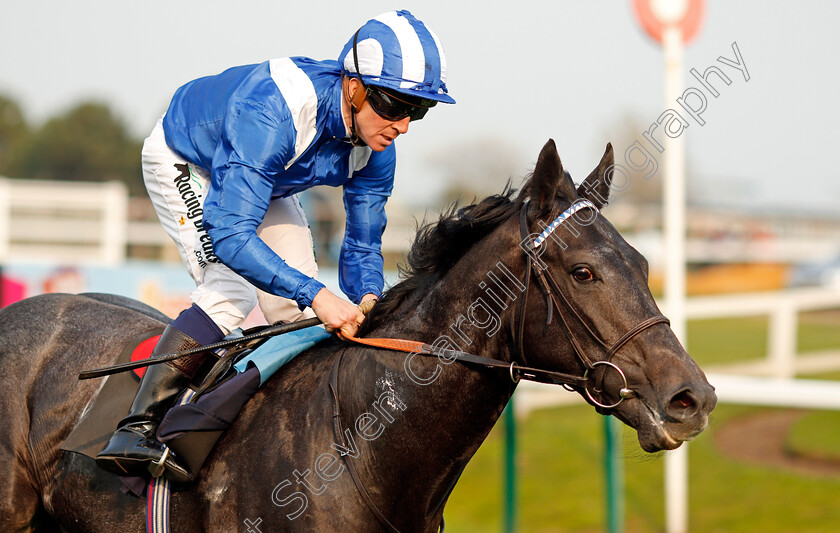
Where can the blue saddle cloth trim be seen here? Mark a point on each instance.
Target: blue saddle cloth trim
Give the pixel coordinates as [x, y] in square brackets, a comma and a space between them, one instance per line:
[271, 355]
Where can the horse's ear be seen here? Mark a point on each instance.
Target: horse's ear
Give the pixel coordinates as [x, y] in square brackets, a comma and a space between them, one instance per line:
[549, 180]
[596, 186]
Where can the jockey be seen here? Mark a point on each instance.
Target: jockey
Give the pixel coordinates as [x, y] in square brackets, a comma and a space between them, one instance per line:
[223, 168]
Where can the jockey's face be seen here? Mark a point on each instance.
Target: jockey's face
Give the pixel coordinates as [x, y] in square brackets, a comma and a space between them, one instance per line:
[376, 131]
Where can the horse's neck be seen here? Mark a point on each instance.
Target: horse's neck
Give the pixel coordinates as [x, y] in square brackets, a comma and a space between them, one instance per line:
[449, 408]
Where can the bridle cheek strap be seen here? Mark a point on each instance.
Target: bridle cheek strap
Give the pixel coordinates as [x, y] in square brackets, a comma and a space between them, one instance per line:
[552, 292]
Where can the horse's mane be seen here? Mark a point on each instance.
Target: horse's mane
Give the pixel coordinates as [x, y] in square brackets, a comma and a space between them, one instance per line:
[440, 244]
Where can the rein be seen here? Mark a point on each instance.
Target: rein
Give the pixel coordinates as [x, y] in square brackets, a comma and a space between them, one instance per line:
[551, 292]
[517, 372]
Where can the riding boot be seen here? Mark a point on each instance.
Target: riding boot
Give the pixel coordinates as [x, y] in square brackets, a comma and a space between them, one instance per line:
[133, 448]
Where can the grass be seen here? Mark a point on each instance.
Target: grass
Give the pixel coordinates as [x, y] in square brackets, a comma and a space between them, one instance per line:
[561, 484]
[819, 331]
[560, 462]
[816, 434]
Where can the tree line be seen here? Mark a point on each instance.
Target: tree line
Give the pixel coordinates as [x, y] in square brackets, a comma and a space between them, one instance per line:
[88, 142]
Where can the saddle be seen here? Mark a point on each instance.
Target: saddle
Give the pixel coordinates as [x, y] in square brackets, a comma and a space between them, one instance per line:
[205, 410]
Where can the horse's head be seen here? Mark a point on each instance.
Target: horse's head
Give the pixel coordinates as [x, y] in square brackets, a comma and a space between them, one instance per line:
[593, 285]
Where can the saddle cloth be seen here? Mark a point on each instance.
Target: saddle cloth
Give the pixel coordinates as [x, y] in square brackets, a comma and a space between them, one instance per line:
[100, 417]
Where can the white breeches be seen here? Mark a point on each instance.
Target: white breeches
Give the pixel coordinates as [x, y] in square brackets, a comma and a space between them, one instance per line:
[177, 190]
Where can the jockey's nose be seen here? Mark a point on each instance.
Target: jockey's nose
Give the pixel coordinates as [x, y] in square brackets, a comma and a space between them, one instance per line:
[402, 125]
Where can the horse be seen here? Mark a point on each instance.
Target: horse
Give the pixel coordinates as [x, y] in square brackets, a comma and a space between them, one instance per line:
[363, 438]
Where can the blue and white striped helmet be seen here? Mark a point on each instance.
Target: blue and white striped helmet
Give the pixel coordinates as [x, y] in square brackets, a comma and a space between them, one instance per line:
[398, 52]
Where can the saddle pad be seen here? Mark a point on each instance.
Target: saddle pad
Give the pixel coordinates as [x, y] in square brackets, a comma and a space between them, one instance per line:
[192, 428]
[110, 405]
[271, 355]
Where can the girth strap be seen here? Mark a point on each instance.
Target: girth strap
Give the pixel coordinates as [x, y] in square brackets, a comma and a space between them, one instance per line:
[339, 438]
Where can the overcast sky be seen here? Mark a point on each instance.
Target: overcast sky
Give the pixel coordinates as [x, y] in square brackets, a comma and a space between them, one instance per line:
[521, 72]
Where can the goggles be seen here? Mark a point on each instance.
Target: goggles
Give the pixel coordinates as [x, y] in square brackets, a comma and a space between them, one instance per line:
[392, 107]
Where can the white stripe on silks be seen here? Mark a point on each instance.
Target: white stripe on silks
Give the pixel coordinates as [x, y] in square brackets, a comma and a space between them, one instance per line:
[565, 215]
[411, 49]
[299, 93]
[359, 157]
[371, 58]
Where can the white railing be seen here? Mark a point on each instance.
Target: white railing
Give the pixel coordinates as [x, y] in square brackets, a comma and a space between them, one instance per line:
[779, 390]
[782, 308]
[70, 221]
[776, 392]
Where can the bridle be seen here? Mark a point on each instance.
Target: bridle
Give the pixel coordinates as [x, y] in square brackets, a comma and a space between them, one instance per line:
[565, 310]
[552, 292]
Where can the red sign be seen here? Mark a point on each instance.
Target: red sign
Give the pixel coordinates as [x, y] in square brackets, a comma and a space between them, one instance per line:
[657, 15]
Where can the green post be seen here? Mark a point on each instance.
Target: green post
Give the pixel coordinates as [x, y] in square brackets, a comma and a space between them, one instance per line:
[614, 475]
[509, 518]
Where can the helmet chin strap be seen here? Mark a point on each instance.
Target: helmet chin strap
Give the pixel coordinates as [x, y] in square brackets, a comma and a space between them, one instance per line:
[355, 139]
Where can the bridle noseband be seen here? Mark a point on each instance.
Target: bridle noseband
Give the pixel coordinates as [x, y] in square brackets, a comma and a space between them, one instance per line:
[552, 292]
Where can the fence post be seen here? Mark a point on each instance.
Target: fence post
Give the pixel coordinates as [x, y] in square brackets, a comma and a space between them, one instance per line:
[782, 338]
[509, 525]
[114, 223]
[614, 475]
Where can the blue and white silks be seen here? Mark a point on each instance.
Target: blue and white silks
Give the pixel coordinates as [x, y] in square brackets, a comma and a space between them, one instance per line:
[273, 130]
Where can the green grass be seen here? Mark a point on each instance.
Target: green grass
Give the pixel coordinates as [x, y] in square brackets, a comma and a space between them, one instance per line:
[819, 331]
[560, 462]
[816, 434]
[561, 484]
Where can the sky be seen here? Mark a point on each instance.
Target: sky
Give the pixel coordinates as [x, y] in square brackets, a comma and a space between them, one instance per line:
[582, 73]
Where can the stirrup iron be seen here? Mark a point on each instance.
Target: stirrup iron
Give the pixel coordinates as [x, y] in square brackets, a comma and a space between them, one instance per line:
[157, 468]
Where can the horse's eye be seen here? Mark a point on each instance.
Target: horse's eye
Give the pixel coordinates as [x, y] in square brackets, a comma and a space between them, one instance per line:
[583, 274]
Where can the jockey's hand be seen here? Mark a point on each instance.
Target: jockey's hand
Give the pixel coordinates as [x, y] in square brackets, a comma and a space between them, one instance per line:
[337, 313]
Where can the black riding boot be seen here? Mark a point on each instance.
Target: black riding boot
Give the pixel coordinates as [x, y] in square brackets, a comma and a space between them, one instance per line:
[133, 447]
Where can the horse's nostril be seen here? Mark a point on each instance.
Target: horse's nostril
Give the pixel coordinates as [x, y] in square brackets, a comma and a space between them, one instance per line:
[682, 402]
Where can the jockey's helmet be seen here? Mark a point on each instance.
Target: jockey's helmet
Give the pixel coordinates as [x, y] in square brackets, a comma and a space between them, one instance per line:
[397, 52]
